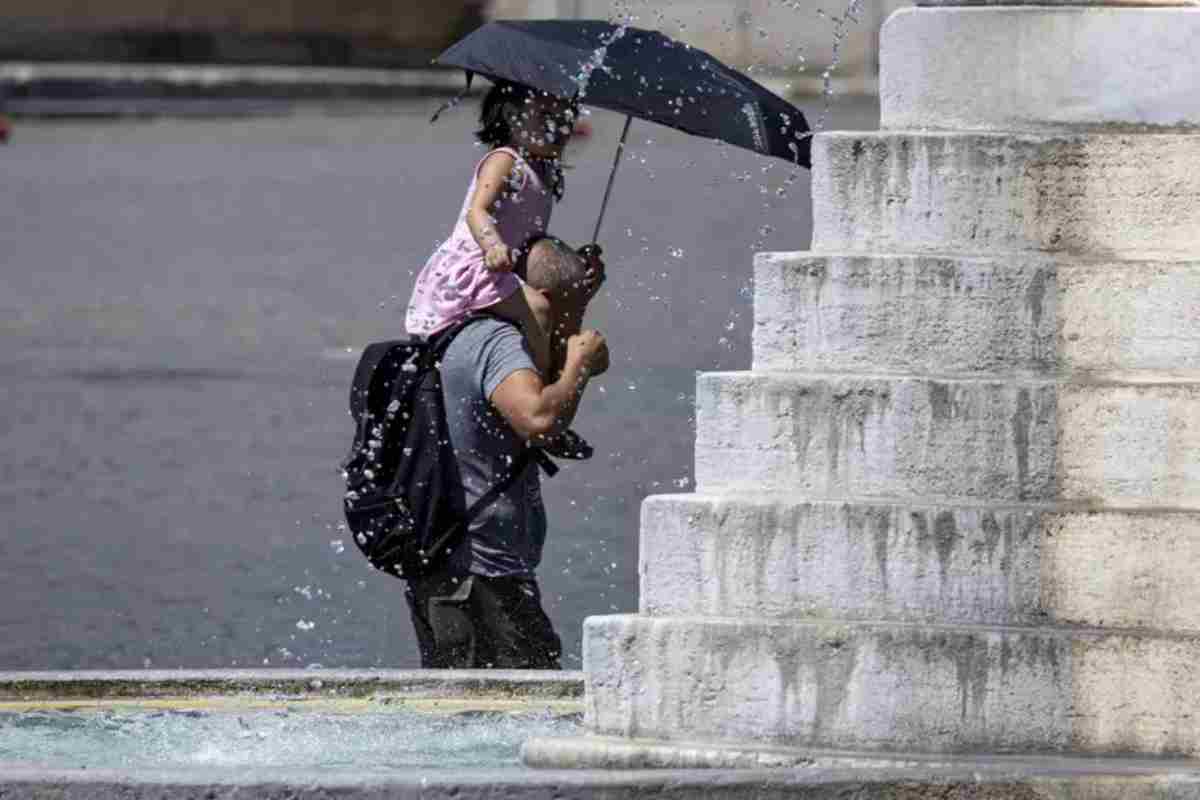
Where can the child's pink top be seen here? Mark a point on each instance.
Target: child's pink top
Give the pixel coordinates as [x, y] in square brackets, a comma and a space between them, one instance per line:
[455, 281]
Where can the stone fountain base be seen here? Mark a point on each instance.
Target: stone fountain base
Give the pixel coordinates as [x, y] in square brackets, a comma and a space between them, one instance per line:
[624, 753]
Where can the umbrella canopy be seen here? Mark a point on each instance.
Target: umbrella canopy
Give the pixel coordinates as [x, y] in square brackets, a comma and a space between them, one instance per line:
[639, 73]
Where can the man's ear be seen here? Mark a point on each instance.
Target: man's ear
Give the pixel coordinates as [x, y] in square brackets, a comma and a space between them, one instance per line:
[540, 299]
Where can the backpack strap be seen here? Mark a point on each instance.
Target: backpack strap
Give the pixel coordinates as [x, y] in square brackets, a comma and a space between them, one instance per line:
[437, 348]
[459, 528]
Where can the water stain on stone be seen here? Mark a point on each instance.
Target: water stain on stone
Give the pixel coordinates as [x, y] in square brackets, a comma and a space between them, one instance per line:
[1035, 296]
[946, 538]
[881, 526]
[941, 403]
[920, 528]
[1021, 419]
[971, 665]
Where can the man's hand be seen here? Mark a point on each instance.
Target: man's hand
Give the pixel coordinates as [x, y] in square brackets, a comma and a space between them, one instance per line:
[534, 409]
[589, 350]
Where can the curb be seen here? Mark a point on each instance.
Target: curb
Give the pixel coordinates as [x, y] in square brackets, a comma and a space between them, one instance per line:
[100, 685]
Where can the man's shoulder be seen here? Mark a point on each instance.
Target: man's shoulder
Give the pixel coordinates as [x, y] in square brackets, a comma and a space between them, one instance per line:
[481, 331]
[483, 354]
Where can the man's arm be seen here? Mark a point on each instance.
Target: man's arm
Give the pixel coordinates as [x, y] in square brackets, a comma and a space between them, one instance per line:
[568, 319]
[535, 409]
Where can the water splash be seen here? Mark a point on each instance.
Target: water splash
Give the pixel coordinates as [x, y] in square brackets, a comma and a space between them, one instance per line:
[583, 78]
[841, 30]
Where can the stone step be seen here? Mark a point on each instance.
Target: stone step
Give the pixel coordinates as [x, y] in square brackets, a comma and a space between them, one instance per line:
[858, 437]
[1101, 67]
[889, 687]
[1017, 314]
[1134, 195]
[778, 557]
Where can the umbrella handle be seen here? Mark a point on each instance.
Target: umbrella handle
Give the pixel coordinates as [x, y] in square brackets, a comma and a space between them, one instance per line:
[612, 176]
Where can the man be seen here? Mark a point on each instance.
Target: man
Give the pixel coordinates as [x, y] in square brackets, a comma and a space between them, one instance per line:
[484, 609]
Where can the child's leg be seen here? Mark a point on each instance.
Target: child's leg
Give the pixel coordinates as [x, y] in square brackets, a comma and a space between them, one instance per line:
[519, 307]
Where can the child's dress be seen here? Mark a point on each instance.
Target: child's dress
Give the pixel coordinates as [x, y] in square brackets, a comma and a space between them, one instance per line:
[455, 281]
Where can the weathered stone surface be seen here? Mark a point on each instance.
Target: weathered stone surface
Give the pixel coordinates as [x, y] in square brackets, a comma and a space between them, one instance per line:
[149, 683]
[778, 557]
[933, 314]
[946, 315]
[1123, 569]
[1130, 445]
[773, 557]
[990, 779]
[858, 437]
[1126, 195]
[615, 752]
[879, 686]
[849, 437]
[1101, 67]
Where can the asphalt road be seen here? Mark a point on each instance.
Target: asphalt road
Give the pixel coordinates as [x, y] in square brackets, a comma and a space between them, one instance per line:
[181, 304]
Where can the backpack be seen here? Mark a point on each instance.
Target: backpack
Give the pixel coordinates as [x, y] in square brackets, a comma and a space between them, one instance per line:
[404, 500]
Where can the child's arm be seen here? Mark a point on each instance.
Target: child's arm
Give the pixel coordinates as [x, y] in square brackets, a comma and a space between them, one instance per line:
[493, 178]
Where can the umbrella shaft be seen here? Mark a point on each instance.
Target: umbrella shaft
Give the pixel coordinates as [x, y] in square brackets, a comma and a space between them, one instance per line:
[612, 176]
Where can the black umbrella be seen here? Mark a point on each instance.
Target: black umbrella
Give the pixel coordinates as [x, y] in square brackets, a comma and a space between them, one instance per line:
[639, 73]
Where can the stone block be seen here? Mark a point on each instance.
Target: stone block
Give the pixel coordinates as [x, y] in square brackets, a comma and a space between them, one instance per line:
[777, 557]
[886, 687]
[1094, 195]
[839, 437]
[853, 437]
[1016, 68]
[1024, 313]
[1130, 445]
[1124, 569]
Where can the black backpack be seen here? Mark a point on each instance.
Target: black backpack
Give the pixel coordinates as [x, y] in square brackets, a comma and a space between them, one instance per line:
[404, 500]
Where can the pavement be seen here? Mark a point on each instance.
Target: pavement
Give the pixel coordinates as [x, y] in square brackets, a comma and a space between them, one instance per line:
[182, 302]
[108, 89]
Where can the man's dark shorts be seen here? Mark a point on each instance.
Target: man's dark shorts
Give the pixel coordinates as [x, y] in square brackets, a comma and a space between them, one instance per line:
[473, 622]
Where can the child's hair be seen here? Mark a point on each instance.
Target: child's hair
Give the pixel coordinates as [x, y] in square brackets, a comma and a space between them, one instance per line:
[494, 130]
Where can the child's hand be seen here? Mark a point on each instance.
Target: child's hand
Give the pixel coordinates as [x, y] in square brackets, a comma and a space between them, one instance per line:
[498, 258]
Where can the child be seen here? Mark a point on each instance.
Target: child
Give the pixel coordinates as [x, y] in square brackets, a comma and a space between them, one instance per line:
[509, 201]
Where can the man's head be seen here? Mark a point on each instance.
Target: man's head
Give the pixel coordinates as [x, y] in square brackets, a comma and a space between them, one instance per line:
[558, 272]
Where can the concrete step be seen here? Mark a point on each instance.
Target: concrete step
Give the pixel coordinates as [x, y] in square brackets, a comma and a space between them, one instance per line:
[852, 437]
[1099, 67]
[1017, 314]
[889, 687]
[777, 557]
[1125, 195]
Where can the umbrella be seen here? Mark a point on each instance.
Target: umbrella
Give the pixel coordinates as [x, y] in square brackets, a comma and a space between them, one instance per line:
[639, 73]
